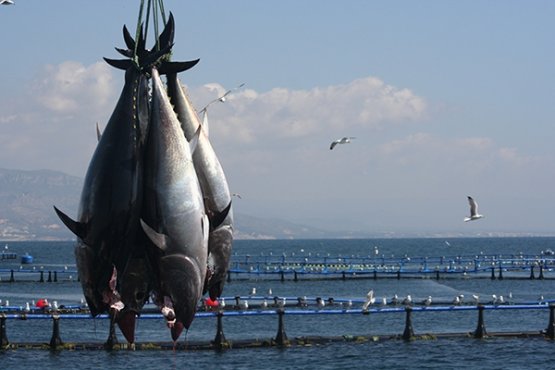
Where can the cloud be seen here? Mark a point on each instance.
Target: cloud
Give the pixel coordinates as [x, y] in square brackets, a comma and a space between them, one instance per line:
[70, 87]
[366, 103]
[51, 125]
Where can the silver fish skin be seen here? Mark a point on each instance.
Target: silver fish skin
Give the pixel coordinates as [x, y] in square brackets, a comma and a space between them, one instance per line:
[213, 183]
[173, 213]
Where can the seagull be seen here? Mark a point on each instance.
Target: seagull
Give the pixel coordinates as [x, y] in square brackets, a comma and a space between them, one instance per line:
[474, 215]
[320, 303]
[408, 300]
[222, 303]
[222, 98]
[343, 140]
[244, 305]
[236, 195]
[264, 304]
[476, 298]
[457, 301]
[395, 300]
[427, 301]
[253, 291]
[7, 2]
[370, 299]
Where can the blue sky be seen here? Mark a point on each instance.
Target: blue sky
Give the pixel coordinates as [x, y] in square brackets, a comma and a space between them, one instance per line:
[445, 98]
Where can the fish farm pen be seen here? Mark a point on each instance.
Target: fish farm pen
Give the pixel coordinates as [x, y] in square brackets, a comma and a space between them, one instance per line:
[292, 267]
[410, 314]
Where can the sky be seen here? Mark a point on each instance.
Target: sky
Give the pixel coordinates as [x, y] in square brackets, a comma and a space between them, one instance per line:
[444, 98]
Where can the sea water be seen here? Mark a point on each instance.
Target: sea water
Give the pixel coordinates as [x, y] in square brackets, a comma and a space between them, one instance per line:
[458, 352]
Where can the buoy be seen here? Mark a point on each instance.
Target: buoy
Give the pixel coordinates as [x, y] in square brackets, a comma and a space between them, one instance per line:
[211, 303]
[26, 259]
[42, 303]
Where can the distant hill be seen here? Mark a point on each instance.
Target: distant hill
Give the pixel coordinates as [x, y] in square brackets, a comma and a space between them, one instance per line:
[27, 199]
[26, 203]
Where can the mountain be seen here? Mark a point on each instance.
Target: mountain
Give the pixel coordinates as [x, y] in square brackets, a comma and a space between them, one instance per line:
[27, 199]
[26, 203]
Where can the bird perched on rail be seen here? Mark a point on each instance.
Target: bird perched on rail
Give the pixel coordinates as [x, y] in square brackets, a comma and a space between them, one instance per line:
[370, 300]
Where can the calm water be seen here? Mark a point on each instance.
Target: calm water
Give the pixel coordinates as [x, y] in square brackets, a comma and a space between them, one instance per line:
[493, 353]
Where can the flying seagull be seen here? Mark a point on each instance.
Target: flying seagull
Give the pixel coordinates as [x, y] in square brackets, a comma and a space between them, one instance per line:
[6, 2]
[343, 140]
[222, 98]
[474, 215]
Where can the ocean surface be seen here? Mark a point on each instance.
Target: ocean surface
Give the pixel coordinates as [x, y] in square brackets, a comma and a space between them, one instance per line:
[444, 352]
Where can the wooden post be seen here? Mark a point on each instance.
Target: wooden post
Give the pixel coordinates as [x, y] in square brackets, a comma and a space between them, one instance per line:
[4, 342]
[281, 337]
[55, 341]
[481, 328]
[219, 341]
[112, 338]
[408, 334]
[550, 330]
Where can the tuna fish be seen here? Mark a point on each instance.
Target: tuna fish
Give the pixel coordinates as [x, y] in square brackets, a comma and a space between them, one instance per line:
[111, 199]
[217, 198]
[174, 215]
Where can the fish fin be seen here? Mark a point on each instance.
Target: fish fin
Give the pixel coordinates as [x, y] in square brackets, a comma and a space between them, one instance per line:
[119, 63]
[98, 133]
[217, 218]
[194, 139]
[128, 39]
[160, 240]
[125, 52]
[205, 122]
[176, 67]
[205, 227]
[167, 35]
[78, 228]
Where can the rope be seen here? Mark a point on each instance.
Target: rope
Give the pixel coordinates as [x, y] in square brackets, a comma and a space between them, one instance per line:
[155, 7]
[138, 33]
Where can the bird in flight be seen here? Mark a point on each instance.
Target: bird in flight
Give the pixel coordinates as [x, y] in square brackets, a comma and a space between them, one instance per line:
[474, 215]
[222, 98]
[343, 140]
[7, 2]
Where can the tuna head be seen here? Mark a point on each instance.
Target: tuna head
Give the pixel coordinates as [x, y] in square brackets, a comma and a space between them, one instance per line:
[181, 280]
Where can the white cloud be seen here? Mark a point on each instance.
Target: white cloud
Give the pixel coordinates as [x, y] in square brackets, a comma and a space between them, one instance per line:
[71, 87]
[363, 104]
